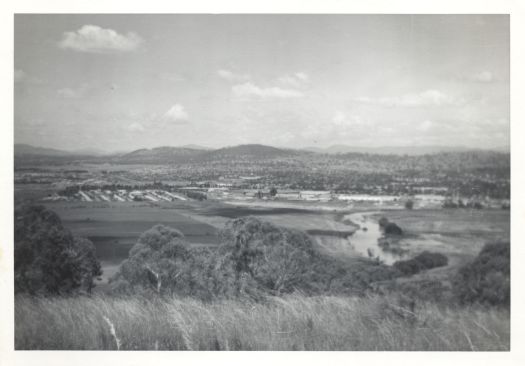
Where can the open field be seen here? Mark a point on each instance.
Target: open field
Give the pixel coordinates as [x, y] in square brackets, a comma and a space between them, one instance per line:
[290, 323]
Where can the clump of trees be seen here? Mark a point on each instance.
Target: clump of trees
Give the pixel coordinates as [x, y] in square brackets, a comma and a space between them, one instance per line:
[254, 258]
[423, 261]
[49, 260]
[162, 262]
[486, 279]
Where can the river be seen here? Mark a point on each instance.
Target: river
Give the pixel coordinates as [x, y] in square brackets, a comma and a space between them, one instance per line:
[365, 239]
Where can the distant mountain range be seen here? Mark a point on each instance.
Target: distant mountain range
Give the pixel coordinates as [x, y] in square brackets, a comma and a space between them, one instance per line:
[393, 150]
[195, 153]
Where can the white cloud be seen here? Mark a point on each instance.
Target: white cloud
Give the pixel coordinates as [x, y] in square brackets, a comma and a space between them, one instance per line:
[250, 90]
[427, 98]
[340, 119]
[176, 113]
[94, 39]
[231, 76]
[135, 127]
[295, 80]
[19, 75]
[483, 77]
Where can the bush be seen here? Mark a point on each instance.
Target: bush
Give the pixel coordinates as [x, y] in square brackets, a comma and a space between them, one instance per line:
[449, 204]
[409, 204]
[48, 259]
[424, 261]
[392, 229]
[487, 279]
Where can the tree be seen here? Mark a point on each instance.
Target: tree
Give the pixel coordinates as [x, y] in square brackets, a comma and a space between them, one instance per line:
[48, 259]
[409, 204]
[88, 264]
[279, 260]
[157, 262]
[273, 192]
[383, 221]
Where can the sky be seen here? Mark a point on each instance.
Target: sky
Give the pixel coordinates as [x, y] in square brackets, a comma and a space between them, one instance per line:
[123, 82]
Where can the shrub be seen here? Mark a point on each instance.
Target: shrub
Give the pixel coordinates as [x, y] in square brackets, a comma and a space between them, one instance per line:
[487, 278]
[449, 203]
[392, 229]
[409, 204]
[425, 260]
[48, 259]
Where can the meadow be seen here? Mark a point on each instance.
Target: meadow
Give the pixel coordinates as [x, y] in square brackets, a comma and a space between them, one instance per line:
[294, 322]
[387, 316]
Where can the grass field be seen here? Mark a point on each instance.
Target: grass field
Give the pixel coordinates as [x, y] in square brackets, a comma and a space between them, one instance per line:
[290, 323]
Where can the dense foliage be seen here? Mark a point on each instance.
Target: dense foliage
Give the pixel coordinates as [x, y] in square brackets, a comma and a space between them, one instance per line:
[255, 258]
[48, 259]
[421, 262]
[487, 278]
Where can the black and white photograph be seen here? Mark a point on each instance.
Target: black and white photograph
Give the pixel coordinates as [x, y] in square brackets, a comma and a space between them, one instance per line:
[261, 182]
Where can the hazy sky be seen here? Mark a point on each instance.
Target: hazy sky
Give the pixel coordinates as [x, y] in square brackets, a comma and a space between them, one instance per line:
[124, 82]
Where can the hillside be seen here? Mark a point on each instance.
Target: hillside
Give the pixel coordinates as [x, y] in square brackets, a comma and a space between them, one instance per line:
[388, 150]
[160, 155]
[24, 149]
[252, 151]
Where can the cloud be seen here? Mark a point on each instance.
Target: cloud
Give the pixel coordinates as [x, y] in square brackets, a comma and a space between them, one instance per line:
[94, 39]
[135, 127]
[19, 75]
[295, 80]
[231, 76]
[427, 98]
[483, 77]
[340, 119]
[176, 113]
[247, 90]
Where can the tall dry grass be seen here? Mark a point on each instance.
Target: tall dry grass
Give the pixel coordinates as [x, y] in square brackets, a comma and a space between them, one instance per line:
[290, 323]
